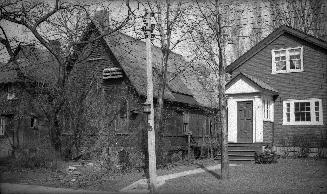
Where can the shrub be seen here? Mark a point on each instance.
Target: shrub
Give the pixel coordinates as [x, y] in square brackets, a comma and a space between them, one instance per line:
[36, 158]
[266, 157]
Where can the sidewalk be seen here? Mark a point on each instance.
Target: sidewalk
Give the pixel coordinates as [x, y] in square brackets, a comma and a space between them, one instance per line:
[141, 186]
[7, 188]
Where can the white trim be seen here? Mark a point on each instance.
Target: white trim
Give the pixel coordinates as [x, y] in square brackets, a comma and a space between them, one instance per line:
[312, 112]
[288, 70]
[270, 108]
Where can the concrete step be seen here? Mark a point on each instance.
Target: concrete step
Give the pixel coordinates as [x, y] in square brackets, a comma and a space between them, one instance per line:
[239, 156]
[241, 152]
[238, 161]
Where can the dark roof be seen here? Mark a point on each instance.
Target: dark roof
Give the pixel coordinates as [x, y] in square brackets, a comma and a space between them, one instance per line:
[254, 80]
[270, 38]
[131, 55]
[36, 64]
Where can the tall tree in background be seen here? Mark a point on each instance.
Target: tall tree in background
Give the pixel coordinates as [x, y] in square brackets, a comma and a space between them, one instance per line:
[170, 18]
[60, 20]
[210, 40]
[308, 16]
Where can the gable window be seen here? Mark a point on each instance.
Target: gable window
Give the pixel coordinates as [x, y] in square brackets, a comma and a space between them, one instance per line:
[302, 112]
[2, 126]
[267, 109]
[287, 60]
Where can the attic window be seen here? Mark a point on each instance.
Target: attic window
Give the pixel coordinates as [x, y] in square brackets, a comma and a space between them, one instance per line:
[287, 60]
[112, 73]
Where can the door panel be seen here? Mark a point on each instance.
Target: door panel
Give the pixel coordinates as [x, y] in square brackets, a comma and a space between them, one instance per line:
[245, 121]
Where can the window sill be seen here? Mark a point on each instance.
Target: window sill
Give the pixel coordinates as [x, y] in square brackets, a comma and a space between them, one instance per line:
[304, 123]
[268, 120]
[281, 72]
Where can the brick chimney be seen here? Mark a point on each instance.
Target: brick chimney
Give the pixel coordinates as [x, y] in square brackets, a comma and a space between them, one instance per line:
[102, 17]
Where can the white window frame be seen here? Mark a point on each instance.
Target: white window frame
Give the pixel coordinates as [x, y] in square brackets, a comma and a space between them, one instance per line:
[312, 112]
[267, 103]
[288, 70]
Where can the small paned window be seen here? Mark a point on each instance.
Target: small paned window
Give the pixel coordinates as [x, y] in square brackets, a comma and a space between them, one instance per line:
[302, 112]
[287, 60]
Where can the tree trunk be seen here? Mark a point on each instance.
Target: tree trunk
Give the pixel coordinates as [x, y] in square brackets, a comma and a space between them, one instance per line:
[55, 135]
[160, 120]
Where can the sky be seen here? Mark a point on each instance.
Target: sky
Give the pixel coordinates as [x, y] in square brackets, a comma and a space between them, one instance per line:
[247, 22]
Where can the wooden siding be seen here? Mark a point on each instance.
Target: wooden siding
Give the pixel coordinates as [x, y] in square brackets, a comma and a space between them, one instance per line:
[311, 83]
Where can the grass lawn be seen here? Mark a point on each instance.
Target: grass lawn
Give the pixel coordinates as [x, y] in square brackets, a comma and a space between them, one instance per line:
[286, 176]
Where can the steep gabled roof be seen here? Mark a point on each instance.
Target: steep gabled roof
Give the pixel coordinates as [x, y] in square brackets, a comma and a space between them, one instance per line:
[35, 63]
[131, 55]
[262, 85]
[270, 38]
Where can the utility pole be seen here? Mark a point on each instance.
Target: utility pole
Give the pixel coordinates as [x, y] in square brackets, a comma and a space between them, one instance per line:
[148, 29]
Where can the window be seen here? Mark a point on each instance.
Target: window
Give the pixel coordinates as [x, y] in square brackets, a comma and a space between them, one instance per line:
[123, 108]
[34, 122]
[2, 126]
[11, 95]
[302, 112]
[186, 121]
[287, 60]
[267, 109]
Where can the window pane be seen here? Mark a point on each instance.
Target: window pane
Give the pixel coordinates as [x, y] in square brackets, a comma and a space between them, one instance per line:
[297, 116]
[317, 110]
[317, 116]
[316, 106]
[297, 106]
[295, 58]
[281, 65]
[302, 111]
[280, 60]
[307, 116]
[288, 117]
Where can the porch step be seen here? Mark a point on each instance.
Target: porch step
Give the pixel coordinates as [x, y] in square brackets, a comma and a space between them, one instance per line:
[242, 152]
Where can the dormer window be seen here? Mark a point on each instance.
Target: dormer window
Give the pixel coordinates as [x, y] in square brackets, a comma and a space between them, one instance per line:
[287, 60]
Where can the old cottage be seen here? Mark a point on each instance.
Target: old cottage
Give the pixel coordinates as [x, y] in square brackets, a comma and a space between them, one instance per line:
[22, 122]
[112, 70]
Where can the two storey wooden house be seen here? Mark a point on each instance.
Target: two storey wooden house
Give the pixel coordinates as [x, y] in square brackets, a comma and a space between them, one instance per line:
[278, 91]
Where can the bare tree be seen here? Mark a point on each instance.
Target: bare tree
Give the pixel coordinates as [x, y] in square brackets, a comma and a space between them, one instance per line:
[170, 31]
[210, 40]
[59, 20]
[305, 15]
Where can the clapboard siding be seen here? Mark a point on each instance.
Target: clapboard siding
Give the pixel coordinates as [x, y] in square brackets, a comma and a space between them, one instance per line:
[311, 83]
